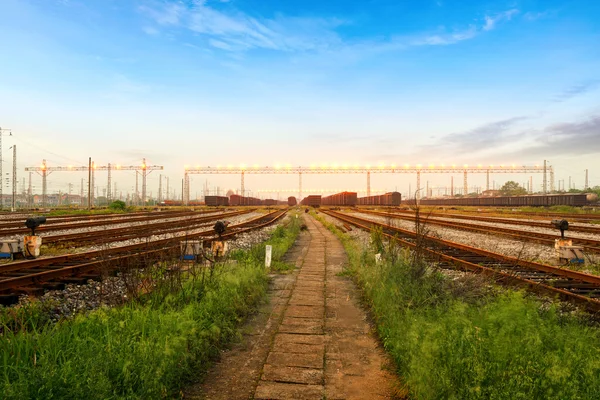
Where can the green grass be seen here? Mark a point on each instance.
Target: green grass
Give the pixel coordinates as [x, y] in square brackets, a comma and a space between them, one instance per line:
[451, 343]
[146, 349]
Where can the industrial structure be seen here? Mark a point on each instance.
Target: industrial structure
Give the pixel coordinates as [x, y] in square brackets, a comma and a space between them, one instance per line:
[142, 169]
[367, 170]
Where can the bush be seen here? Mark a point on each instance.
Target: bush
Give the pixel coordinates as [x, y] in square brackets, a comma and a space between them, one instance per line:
[117, 205]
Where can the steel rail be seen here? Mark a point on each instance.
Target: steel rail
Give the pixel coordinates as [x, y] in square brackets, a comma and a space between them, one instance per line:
[574, 286]
[590, 245]
[137, 231]
[86, 262]
[512, 221]
[573, 216]
[62, 219]
[62, 225]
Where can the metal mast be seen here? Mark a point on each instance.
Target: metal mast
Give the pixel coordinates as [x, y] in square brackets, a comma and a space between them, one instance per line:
[144, 182]
[109, 185]
[30, 193]
[44, 182]
[1, 173]
[14, 177]
[160, 189]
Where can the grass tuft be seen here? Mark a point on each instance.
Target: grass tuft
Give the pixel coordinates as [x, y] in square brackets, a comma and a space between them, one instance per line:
[457, 339]
[146, 349]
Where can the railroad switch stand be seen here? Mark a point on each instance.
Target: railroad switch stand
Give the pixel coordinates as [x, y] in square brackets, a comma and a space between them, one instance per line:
[565, 251]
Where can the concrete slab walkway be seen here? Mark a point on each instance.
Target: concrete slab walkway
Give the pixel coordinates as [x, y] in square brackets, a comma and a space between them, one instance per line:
[313, 341]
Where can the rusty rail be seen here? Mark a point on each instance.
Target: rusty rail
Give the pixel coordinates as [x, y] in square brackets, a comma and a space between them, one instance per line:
[590, 245]
[569, 285]
[39, 271]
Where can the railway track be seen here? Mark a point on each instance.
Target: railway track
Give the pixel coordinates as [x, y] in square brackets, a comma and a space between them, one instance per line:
[138, 231]
[52, 224]
[569, 285]
[500, 220]
[33, 276]
[15, 219]
[511, 214]
[590, 245]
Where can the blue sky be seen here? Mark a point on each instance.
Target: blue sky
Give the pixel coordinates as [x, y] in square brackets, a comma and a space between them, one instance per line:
[248, 81]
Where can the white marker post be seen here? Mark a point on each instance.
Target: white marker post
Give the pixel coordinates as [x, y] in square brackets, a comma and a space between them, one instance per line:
[268, 251]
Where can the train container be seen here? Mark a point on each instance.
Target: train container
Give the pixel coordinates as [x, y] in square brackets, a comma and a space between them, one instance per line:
[291, 201]
[387, 199]
[216, 201]
[237, 200]
[269, 202]
[312, 200]
[340, 199]
[571, 199]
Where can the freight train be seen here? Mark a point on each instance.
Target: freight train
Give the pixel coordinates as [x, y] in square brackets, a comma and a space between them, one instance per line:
[216, 201]
[387, 199]
[571, 199]
[312, 200]
[340, 199]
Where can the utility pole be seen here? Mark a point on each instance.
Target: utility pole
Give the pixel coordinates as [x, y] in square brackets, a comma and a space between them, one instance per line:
[14, 177]
[30, 193]
[109, 185]
[1, 161]
[586, 180]
[545, 184]
[44, 182]
[531, 184]
[451, 186]
[90, 183]
[137, 193]
[160, 189]
[569, 183]
[144, 182]
[418, 193]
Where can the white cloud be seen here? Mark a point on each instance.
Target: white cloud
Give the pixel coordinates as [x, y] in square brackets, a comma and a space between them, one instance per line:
[490, 21]
[444, 38]
[234, 31]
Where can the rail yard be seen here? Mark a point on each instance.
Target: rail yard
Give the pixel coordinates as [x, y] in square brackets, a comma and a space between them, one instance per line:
[309, 200]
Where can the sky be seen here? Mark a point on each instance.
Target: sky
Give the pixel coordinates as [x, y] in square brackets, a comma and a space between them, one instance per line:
[208, 82]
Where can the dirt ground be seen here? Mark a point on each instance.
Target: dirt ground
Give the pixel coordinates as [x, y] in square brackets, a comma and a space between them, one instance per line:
[311, 341]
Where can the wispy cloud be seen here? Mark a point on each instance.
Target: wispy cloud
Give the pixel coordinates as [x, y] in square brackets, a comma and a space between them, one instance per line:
[233, 30]
[229, 29]
[483, 137]
[492, 20]
[502, 139]
[576, 90]
[565, 139]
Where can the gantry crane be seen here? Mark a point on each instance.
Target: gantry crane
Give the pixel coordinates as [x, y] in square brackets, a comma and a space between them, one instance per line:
[143, 169]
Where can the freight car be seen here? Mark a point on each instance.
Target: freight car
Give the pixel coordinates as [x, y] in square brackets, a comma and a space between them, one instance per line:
[340, 199]
[312, 200]
[170, 203]
[575, 200]
[292, 201]
[216, 201]
[387, 199]
[237, 200]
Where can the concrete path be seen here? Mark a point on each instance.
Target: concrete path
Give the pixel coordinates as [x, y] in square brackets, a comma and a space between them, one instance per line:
[313, 341]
